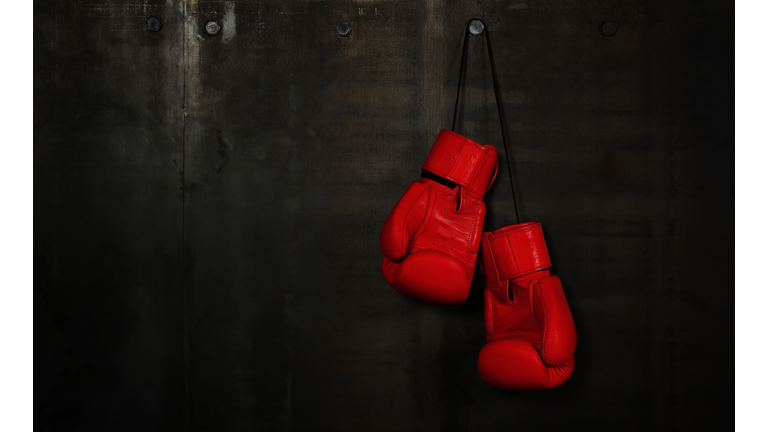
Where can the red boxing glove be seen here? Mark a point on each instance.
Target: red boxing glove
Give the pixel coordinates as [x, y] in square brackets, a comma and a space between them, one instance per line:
[530, 332]
[431, 238]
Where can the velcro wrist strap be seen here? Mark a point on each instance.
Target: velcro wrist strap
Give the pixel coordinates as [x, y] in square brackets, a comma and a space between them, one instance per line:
[514, 251]
[462, 161]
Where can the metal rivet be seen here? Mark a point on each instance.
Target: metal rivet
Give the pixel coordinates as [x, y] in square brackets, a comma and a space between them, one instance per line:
[212, 28]
[343, 29]
[154, 23]
[608, 28]
[476, 27]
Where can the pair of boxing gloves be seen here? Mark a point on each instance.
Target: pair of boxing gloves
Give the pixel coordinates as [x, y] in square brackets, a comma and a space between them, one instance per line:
[431, 240]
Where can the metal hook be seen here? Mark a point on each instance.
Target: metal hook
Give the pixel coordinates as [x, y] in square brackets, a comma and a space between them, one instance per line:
[476, 26]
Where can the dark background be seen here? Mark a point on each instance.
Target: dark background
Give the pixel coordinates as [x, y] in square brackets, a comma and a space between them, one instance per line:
[207, 212]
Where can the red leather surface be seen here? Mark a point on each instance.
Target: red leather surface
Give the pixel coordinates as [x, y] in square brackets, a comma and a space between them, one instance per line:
[527, 373]
[530, 335]
[463, 161]
[431, 238]
[522, 247]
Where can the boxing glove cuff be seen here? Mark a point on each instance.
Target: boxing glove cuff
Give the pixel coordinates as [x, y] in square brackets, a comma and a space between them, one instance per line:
[523, 250]
[463, 161]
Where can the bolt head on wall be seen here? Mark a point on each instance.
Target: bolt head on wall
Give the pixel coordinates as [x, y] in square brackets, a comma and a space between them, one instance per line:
[476, 27]
[608, 28]
[212, 28]
[343, 29]
[154, 23]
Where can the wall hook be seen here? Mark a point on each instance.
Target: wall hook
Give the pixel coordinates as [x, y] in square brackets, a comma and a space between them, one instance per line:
[476, 26]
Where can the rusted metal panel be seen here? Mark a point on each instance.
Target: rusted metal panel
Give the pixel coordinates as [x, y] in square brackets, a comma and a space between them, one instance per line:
[229, 183]
[108, 216]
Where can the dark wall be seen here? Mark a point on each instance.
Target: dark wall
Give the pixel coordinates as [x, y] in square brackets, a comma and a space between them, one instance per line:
[207, 212]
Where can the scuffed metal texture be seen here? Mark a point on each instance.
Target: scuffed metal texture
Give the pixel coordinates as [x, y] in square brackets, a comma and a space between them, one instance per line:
[207, 211]
[108, 216]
